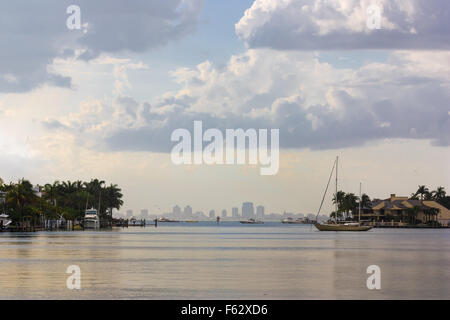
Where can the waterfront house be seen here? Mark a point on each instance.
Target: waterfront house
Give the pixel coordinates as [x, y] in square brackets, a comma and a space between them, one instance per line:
[443, 216]
[403, 209]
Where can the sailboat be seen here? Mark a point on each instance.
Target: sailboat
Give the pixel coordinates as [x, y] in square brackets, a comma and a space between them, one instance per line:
[335, 226]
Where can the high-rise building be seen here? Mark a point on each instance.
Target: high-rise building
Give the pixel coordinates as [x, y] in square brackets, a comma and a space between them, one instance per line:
[247, 210]
[188, 210]
[235, 212]
[212, 214]
[224, 213]
[176, 210]
[260, 212]
[144, 214]
[129, 213]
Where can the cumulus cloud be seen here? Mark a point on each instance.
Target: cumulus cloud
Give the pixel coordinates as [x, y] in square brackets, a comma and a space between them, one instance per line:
[342, 24]
[313, 104]
[34, 33]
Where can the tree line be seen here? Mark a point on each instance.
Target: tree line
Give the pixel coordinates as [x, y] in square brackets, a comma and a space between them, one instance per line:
[424, 193]
[65, 199]
[348, 203]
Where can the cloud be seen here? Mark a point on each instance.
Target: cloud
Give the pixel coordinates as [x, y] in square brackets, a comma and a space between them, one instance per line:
[342, 24]
[53, 124]
[35, 33]
[313, 104]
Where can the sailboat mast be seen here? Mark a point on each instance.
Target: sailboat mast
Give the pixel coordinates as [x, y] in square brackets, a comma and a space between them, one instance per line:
[359, 209]
[326, 189]
[336, 194]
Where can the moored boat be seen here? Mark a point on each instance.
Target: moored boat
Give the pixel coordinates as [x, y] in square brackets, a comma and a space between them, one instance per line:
[341, 227]
[334, 225]
[4, 222]
[166, 220]
[290, 220]
[252, 221]
[91, 219]
[133, 222]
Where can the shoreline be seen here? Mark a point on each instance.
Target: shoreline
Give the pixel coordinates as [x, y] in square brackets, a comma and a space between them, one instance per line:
[41, 229]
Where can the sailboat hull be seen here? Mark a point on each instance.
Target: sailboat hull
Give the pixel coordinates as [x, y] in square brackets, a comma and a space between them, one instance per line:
[340, 227]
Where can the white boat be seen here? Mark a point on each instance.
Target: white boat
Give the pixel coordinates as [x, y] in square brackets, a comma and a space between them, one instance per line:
[91, 219]
[252, 221]
[291, 220]
[133, 222]
[166, 220]
[4, 222]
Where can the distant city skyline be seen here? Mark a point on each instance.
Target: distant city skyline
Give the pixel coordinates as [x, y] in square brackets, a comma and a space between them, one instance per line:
[248, 211]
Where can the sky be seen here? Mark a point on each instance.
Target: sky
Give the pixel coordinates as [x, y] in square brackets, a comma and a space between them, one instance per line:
[102, 101]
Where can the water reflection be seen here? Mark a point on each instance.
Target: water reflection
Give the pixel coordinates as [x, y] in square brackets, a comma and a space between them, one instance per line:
[232, 261]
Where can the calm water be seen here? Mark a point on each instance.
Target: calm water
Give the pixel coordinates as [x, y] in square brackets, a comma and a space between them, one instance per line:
[230, 261]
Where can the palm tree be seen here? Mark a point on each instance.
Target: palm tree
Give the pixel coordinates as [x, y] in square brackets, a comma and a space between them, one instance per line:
[430, 215]
[68, 186]
[412, 214]
[94, 188]
[113, 198]
[338, 197]
[423, 191]
[428, 196]
[338, 200]
[413, 197]
[68, 191]
[365, 201]
[439, 193]
[19, 196]
[350, 203]
[51, 191]
[433, 212]
[79, 186]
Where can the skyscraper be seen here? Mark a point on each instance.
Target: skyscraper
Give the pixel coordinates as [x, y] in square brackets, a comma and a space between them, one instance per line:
[235, 212]
[224, 213]
[176, 210]
[260, 212]
[188, 210]
[129, 213]
[212, 214]
[247, 210]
